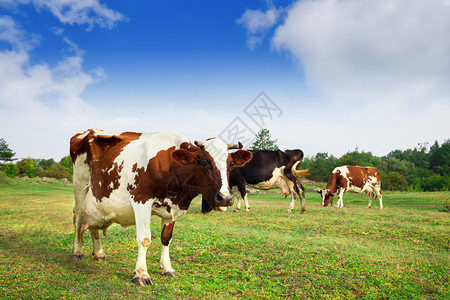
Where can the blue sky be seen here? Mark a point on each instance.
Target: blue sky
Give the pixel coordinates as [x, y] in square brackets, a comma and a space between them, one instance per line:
[341, 74]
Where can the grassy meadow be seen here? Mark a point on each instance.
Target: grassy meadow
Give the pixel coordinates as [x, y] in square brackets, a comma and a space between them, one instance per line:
[401, 252]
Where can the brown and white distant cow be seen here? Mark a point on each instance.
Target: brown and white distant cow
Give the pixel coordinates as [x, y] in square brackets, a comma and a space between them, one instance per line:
[352, 179]
[125, 178]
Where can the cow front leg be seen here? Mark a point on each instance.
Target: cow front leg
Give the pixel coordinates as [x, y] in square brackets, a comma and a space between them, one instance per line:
[97, 251]
[340, 202]
[166, 237]
[142, 214]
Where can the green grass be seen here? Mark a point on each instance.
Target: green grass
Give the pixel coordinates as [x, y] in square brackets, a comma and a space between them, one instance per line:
[401, 252]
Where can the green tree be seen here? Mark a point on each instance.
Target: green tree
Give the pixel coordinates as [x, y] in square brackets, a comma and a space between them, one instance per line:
[321, 166]
[45, 163]
[27, 167]
[6, 154]
[357, 158]
[398, 165]
[263, 141]
[440, 158]
[393, 181]
[59, 171]
[66, 161]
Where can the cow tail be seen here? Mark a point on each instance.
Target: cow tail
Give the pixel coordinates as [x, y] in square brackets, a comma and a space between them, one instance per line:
[300, 173]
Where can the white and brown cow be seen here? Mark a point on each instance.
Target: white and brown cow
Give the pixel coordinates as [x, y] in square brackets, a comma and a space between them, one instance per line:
[352, 179]
[125, 178]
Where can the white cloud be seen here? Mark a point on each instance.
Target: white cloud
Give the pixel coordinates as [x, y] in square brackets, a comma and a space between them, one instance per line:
[40, 103]
[12, 34]
[90, 12]
[363, 50]
[258, 23]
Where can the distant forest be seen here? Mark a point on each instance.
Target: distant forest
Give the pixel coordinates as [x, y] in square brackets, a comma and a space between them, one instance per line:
[418, 169]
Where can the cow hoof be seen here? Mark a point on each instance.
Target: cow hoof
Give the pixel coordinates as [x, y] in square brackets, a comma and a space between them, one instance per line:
[78, 256]
[236, 210]
[143, 281]
[102, 258]
[247, 211]
[289, 211]
[170, 274]
[302, 211]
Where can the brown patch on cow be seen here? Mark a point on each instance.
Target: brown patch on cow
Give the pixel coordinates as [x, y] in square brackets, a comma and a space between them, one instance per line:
[151, 182]
[176, 174]
[360, 175]
[101, 150]
[146, 243]
[162, 204]
[94, 144]
[166, 234]
[188, 146]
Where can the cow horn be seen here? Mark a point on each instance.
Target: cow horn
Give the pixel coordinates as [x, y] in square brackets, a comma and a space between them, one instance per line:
[199, 144]
[237, 145]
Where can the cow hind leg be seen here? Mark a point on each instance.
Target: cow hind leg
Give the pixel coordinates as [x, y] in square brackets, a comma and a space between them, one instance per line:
[166, 237]
[77, 250]
[79, 223]
[292, 204]
[247, 205]
[238, 201]
[371, 195]
[97, 251]
[302, 199]
[380, 197]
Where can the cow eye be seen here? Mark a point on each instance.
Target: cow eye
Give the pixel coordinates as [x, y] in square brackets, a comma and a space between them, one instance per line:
[204, 164]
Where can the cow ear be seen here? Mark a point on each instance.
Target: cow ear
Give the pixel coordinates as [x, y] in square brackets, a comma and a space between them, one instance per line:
[319, 191]
[241, 157]
[183, 156]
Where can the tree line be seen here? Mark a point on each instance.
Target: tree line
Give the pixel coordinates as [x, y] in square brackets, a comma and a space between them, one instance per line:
[32, 167]
[418, 169]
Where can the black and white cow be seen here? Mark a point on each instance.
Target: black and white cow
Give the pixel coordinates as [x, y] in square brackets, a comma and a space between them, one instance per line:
[268, 170]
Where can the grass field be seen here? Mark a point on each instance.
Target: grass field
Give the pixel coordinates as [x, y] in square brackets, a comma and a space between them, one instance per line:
[401, 252]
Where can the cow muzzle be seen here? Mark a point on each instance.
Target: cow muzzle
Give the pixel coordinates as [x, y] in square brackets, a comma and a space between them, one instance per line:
[224, 200]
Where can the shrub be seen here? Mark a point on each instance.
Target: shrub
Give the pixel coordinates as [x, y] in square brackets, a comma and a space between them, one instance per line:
[58, 171]
[394, 181]
[11, 170]
[27, 167]
[435, 182]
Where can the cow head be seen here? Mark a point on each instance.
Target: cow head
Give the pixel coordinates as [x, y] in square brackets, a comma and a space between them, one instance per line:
[327, 196]
[224, 162]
